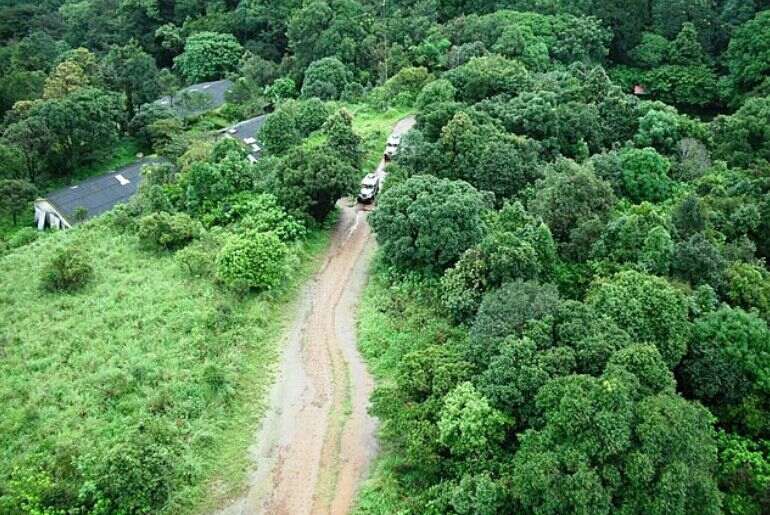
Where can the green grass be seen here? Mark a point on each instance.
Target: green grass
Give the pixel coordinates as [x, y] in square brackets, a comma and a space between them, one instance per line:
[375, 127]
[143, 345]
[372, 125]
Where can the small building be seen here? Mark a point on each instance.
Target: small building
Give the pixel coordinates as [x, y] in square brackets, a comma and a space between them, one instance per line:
[246, 132]
[66, 207]
[640, 90]
[198, 98]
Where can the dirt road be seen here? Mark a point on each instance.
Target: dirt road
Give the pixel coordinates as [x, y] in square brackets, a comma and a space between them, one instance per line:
[317, 439]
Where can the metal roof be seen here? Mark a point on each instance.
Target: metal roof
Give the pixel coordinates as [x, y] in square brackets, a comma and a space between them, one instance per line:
[99, 194]
[247, 132]
[215, 90]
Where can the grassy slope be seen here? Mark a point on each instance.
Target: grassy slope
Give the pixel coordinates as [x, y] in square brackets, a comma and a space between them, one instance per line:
[143, 340]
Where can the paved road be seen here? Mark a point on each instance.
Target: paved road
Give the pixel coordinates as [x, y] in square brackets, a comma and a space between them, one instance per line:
[317, 439]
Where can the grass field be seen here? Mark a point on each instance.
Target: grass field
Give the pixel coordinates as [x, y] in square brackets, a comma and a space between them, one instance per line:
[143, 350]
[373, 126]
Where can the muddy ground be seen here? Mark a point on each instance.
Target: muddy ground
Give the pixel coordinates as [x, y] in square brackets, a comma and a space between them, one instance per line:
[316, 441]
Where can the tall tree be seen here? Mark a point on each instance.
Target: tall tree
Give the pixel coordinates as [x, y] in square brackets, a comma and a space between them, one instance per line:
[131, 70]
[15, 196]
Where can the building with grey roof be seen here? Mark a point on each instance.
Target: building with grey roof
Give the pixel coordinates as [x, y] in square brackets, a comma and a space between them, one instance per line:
[198, 98]
[68, 206]
[247, 132]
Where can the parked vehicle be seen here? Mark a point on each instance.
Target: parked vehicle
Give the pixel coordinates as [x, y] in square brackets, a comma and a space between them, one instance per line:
[370, 186]
[392, 147]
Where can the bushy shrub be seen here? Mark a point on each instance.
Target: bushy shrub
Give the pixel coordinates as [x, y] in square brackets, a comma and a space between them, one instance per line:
[166, 231]
[281, 89]
[259, 213]
[67, 270]
[198, 258]
[134, 476]
[252, 261]
[353, 92]
[23, 236]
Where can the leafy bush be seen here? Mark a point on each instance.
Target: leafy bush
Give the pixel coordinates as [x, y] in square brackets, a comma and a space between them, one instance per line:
[23, 236]
[134, 476]
[69, 269]
[253, 261]
[281, 89]
[259, 213]
[166, 231]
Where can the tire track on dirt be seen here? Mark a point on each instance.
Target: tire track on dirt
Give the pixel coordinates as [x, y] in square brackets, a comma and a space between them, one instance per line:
[317, 439]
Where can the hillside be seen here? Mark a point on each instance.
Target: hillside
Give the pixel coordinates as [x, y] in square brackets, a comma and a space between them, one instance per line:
[569, 229]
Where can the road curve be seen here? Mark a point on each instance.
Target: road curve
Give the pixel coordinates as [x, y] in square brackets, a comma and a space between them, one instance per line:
[317, 438]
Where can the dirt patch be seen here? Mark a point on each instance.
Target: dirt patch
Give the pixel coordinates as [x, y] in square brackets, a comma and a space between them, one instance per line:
[317, 439]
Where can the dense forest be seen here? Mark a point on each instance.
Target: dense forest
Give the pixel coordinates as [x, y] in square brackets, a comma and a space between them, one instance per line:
[569, 308]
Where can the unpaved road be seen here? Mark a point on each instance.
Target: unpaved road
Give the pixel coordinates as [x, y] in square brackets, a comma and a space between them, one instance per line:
[317, 439]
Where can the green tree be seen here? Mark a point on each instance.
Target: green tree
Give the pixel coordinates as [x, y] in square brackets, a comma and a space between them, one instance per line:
[281, 89]
[15, 196]
[744, 473]
[647, 365]
[279, 132]
[699, 261]
[652, 51]
[600, 450]
[67, 77]
[468, 426]
[686, 48]
[328, 70]
[253, 261]
[568, 195]
[749, 286]
[427, 222]
[130, 70]
[748, 55]
[311, 115]
[648, 308]
[208, 56]
[506, 312]
[341, 139]
[484, 77]
[645, 174]
[311, 181]
[729, 357]
[440, 90]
